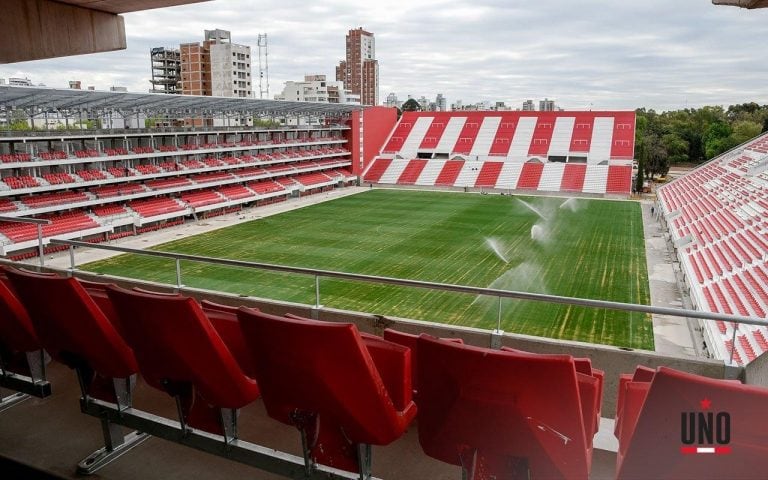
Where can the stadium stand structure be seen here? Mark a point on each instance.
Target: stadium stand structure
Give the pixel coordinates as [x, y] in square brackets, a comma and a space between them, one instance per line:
[571, 152]
[104, 186]
[717, 216]
[495, 413]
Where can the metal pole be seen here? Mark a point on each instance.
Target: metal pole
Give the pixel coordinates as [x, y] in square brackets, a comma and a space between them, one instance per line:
[498, 320]
[178, 273]
[317, 291]
[40, 250]
[72, 258]
[733, 343]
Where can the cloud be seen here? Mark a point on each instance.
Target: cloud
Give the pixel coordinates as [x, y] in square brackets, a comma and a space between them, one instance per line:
[591, 53]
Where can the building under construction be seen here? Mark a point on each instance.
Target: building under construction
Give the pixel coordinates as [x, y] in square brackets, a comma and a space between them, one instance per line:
[166, 70]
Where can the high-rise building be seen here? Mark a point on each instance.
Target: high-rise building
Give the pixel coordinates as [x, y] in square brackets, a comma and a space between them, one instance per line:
[75, 84]
[166, 70]
[441, 103]
[528, 106]
[216, 67]
[360, 70]
[392, 100]
[546, 105]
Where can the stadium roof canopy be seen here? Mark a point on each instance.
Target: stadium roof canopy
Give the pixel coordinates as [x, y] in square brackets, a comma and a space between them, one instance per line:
[51, 99]
[32, 30]
[743, 3]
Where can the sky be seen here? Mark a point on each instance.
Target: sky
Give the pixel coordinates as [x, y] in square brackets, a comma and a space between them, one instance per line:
[584, 54]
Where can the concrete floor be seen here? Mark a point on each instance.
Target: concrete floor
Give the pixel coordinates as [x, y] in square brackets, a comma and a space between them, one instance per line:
[674, 336]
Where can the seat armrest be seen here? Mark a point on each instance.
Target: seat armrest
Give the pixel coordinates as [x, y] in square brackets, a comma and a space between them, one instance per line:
[393, 362]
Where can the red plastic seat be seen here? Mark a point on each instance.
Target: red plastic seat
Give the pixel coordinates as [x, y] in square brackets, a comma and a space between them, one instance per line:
[651, 408]
[412, 342]
[17, 335]
[502, 414]
[74, 330]
[21, 352]
[322, 378]
[180, 353]
[590, 381]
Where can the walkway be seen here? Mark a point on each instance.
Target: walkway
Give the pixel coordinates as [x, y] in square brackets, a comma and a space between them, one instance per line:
[672, 335]
[150, 239]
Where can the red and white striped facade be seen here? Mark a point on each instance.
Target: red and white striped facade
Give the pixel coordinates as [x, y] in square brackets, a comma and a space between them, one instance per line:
[598, 136]
[571, 152]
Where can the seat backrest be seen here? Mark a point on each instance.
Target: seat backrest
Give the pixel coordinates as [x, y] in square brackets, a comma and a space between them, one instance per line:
[224, 320]
[504, 405]
[98, 292]
[70, 325]
[320, 368]
[412, 342]
[16, 331]
[688, 426]
[175, 343]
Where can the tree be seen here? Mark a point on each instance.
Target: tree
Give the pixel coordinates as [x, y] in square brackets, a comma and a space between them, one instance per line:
[411, 105]
[744, 130]
[655, 157]
[677, 148]
[18, 120]
[717, 139]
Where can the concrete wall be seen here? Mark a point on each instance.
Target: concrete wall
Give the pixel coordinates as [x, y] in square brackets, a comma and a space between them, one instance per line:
[36, 29]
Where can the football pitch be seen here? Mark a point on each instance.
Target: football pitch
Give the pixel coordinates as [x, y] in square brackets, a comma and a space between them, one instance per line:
[577, 247]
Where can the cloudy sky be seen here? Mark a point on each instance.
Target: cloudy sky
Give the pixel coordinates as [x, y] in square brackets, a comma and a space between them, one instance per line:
[599, 54]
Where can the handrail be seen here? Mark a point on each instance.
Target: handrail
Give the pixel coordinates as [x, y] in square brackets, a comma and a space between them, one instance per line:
[538, 297]
[35, 221]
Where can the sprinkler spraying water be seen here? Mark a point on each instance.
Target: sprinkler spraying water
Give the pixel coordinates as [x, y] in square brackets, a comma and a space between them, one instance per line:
[495, 245]
[533, 209]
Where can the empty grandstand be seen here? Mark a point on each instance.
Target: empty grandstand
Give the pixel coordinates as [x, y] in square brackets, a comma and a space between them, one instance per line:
[717, 216]
[567, 152]
[118, 184]
[306, 390]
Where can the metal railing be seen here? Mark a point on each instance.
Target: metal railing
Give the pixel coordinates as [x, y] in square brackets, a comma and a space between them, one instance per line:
[490, 292]
[35, 221]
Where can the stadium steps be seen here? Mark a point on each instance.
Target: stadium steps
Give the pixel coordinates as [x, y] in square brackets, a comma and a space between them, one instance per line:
[542, 136]
[573, 177]
[521, 141]
[394, 171]
[449, 173]
[489, 174]
[412, 172]
[433, 134]
[619, 179]
[485, 137]
[377, 169]
[551, 177]
[467, 137]
[416, 135]
[451, 135]
[509, 175]
[468, 174]
[430, 172]
[530, 176]
[595, 178]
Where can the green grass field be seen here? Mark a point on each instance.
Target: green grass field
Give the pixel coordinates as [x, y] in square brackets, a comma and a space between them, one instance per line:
[584, 248]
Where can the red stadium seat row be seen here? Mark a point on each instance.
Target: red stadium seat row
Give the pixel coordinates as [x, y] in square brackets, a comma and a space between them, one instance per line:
[58, 178]
[115, 151]
[54, 155]
[718, 205]
[155, 206]
[15, 157]
[21, 181]
[495, 413]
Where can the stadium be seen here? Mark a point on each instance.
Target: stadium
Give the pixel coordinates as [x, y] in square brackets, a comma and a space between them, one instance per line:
[475, 294]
